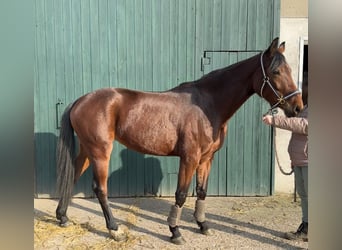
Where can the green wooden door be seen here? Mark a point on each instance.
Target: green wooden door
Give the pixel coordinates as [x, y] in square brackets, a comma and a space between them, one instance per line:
[243, 166]
[151, 45]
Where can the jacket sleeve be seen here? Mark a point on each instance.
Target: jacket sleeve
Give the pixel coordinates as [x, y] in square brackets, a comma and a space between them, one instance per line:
[297, 125]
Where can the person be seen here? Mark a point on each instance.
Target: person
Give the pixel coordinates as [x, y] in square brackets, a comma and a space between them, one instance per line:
[298, 152]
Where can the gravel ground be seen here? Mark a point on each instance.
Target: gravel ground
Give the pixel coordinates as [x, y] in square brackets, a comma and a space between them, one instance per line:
[237, 223]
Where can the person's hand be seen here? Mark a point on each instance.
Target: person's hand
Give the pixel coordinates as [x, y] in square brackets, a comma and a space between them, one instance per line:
[267, 119]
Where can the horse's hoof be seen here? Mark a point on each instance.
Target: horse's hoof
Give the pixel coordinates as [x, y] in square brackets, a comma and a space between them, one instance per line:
[178, 240]
[204, 228]
[207, 232]
[64, 223]
[63, 220]
[118, 235]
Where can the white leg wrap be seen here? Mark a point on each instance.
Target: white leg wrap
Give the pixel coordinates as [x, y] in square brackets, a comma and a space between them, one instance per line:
[200, 210]
[174, 215]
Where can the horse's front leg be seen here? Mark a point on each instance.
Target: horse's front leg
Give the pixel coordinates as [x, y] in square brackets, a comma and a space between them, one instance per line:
[186, 171]
[202, 175]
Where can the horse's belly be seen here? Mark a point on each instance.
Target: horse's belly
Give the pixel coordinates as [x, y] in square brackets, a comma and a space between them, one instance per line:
[158, 138]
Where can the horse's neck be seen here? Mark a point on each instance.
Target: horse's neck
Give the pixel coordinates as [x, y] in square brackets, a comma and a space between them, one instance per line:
[230, 87]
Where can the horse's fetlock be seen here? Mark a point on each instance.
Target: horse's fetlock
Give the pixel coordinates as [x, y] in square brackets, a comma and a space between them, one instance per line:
[175, 231]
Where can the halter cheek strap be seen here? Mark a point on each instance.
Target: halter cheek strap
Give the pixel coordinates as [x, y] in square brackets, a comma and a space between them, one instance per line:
[280, 98]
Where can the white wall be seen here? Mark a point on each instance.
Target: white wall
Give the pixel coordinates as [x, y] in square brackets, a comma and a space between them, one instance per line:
[291, 31]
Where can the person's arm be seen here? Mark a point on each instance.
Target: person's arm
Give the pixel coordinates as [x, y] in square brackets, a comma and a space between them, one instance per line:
[297, 125]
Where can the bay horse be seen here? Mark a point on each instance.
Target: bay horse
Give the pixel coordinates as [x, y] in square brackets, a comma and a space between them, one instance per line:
[188, 121]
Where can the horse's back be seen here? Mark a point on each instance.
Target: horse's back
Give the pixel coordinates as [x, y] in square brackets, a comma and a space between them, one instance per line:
[137, 119]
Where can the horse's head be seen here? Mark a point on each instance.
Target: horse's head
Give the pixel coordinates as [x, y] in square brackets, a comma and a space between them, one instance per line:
[278, 87]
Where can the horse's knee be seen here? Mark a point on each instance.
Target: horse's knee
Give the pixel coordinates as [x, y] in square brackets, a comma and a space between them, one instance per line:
[180, 198]
[201, 193]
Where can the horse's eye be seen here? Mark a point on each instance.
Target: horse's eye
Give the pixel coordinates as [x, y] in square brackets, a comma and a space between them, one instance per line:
[276, 72]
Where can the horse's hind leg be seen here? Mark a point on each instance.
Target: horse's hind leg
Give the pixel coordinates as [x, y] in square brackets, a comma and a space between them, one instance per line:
[100, 170]
[81, 164]
[202, 175]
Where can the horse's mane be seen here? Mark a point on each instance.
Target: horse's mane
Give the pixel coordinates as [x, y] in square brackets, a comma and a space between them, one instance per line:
[225, 69]
[278, 59]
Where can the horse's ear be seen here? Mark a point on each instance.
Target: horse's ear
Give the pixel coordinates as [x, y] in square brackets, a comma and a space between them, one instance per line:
[281, 48]
[272, 49]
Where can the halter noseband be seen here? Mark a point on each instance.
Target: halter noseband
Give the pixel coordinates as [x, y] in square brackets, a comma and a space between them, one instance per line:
[280, 98]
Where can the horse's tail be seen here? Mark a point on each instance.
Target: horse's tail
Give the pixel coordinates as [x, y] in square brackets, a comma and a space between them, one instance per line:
[65, 158]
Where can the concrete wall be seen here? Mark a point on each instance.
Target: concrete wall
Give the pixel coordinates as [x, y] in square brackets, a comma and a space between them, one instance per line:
[293, 27]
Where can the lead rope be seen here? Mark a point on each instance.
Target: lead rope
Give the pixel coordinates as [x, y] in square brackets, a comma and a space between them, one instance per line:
[273, 112]
[277, 157]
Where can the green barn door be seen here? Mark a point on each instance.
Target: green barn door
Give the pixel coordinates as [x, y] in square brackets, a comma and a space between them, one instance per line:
[81, 46]
[243, 166]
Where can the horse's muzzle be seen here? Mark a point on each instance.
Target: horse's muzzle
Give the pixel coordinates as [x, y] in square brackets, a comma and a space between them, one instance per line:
[292, 111]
